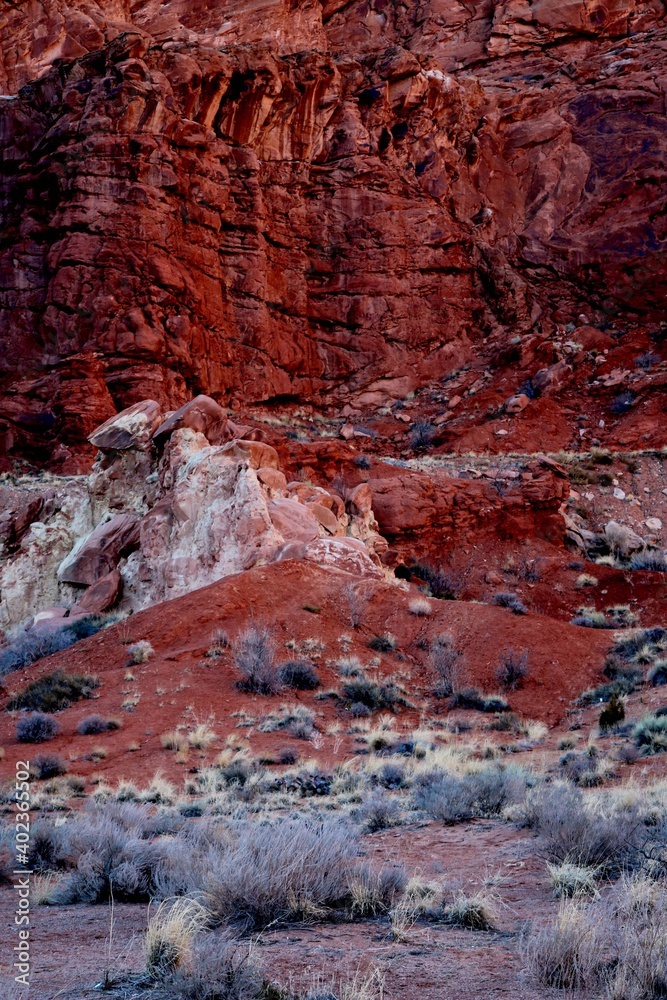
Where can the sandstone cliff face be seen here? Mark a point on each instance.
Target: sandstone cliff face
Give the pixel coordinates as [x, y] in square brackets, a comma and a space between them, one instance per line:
[323, 201]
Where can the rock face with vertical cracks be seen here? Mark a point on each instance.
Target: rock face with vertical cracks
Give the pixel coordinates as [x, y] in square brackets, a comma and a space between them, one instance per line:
[294, 199]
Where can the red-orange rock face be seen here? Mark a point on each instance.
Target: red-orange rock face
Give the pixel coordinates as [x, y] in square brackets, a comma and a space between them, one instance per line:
[331, 202]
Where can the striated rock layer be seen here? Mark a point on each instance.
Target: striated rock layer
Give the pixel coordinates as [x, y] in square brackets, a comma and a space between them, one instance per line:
[333, 202]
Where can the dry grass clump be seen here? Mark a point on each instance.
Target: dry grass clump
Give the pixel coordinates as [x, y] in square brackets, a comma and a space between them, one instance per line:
[297, 720]
[617, 945]
[477, 912]
[173, 740]
[569, 879]
[140, 652]
[201, 737]
[372, 892]
[171, 932]
[420, 607]
[218, 967]
[292, 870]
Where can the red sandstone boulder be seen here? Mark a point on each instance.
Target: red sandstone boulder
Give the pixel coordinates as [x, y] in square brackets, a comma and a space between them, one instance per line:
[293, 520]
[201, 414]
[101, 596]
[99, 553]
[259, 455]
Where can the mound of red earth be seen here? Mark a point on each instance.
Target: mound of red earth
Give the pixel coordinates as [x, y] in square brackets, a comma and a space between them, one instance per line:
[336, 204]
[307, 609]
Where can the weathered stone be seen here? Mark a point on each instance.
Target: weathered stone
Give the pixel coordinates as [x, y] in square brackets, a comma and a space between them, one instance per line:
[99, 552]
[101, 596]
[131, 428]
[259, 455]
[293, 520]
[515, 404]
[200, 414]
[621, 539]
[272, 478]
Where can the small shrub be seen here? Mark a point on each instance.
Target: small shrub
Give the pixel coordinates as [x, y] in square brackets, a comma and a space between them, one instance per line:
[586, 580]
[421, 435]
[36, 728]
[378, 811]
[383, 643]
[392, 775]
[651, 734]
[453, 798]
[442, 584]
[254, 658]
[288, 755]
[505, 599]
[285, 872]
[657, 675]
[218, 968]
[37, 643]
[300, 675]
[588, 617]
[572, 832]
[48, 765]
[622, 403]
[54, 692]
[298, 720]
[512, 669]
[474, 699]
[358, 710]
[94, 724]
[653, 561]
[567, 953]
[140, 652]
[612, 713]
[357, 602]
[448, 663]
[375, 695]
[646, 360]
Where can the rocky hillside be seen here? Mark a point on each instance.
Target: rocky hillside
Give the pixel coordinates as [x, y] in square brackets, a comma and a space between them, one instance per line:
[332, 204]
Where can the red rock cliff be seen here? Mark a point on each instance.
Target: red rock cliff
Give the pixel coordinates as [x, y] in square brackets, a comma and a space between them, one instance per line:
[288, 198]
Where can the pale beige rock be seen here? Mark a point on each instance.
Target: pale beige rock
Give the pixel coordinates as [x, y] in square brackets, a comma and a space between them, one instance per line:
[515, 404]
[622, 540]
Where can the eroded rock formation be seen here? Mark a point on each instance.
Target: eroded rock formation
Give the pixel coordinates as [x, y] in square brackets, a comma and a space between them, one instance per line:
[325, 201]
